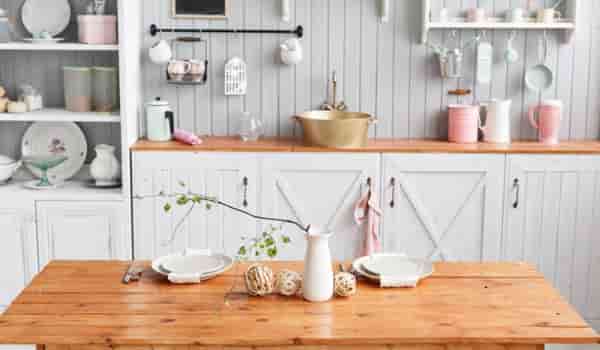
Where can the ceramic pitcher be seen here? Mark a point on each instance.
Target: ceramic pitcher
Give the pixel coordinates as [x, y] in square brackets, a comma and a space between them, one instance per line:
[546, 118]
[318, 271]
[497, 124]
[105, 169]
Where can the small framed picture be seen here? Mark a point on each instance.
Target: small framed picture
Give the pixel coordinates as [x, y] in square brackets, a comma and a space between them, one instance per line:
[201, 9]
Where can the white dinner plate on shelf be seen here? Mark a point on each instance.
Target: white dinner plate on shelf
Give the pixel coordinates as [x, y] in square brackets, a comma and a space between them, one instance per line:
[56, 138]
[392, 265]
[50, 16]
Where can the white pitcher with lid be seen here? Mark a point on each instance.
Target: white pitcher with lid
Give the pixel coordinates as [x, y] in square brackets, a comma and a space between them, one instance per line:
[497, 123]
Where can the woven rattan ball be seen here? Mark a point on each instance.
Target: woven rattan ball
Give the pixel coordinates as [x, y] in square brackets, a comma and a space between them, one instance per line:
[288, 282]
[345, 284]
[259, 280]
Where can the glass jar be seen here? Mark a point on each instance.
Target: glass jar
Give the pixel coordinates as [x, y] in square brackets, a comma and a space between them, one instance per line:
[78, 89]
[251, 128]
[105, 89]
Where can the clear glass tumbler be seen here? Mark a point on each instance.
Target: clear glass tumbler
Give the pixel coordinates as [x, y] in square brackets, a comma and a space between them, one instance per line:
[251, 128]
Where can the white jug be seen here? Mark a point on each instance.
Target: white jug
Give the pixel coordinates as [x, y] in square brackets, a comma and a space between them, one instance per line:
[497, 124]
[318, 270]
[105, 168]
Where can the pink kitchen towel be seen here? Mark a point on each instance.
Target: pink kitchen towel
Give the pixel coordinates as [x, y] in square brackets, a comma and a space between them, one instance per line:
[367, 214]
[186, 137]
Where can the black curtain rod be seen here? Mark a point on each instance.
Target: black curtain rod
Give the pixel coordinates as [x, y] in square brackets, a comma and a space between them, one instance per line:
[154, 29]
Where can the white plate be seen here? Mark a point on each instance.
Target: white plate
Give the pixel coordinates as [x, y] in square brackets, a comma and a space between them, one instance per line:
[408, 267]
[192, 264]
[43, 41]
[56, 138]
[52, 16]
[157, 266]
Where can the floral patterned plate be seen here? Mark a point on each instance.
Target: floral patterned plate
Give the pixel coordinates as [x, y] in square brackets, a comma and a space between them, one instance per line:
[64, 139]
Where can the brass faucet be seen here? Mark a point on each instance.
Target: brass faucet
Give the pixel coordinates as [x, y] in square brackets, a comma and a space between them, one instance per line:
[334, 106]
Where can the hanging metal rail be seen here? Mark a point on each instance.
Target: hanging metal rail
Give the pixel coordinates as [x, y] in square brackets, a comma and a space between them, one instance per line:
[154, 29]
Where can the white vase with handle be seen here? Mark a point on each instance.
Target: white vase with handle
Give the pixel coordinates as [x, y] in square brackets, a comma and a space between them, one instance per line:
[105, 168]
[318, 270]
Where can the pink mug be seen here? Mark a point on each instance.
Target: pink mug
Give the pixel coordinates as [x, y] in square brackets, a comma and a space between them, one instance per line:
[546, 118]
[463, 123]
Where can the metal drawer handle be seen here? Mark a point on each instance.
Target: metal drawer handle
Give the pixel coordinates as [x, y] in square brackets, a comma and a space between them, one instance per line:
[517, 189]
[245, 202]
[393, 184]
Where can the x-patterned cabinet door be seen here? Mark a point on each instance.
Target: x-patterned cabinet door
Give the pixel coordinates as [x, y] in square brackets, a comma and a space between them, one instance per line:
[230, 177]
[443, 206]
[320, 190]
[552, 220]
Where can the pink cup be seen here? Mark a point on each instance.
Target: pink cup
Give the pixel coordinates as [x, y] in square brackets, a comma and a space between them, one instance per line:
[546, 118]
[463, 123]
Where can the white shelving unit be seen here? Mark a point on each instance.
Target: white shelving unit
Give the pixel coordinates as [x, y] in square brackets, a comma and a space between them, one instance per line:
[55, 114]
[23, 46]
[568, 25]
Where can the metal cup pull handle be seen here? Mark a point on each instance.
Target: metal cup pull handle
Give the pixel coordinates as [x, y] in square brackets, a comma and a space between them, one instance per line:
[517, 189]
[245, 201]
[393, 185]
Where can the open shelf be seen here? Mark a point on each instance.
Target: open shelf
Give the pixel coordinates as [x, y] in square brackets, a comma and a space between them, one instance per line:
[502, 25]
[61, 115]
[23, 46]
[71, 190]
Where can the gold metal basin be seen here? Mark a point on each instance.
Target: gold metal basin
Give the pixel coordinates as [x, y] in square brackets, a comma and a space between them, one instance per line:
[335, 129]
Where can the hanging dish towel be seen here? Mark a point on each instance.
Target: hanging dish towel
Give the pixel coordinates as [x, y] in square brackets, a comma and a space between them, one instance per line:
[367, 212]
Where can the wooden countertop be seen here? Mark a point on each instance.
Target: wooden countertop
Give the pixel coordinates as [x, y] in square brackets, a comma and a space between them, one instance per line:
[84, 303]
[233, 144]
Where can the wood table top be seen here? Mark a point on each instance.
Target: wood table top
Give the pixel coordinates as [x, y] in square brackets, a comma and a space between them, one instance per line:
[85, 303]
[233, 144]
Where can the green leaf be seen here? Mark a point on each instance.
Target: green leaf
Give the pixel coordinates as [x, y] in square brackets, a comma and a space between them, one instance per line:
[286, 239]
[196, 199]
[272, 252]
[182, 200]
[181, 183]
[167, 208]
[242, 251]
[208, 206]
[269, 242]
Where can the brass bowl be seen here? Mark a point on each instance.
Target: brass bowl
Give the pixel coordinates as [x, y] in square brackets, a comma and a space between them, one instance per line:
[335, 129]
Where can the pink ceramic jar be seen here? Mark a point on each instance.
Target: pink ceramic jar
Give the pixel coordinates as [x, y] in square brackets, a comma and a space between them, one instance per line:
[97, 30]
[463, 123]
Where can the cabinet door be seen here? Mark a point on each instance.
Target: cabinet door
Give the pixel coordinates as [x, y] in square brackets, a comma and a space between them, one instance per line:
[82, 230]
[443, 207]
[230, 177]
[320, 190]
[552, 216]
[17, 252]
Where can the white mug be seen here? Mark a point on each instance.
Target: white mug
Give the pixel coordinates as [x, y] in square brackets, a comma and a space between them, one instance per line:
[177, 69]
[291, 51]
[516, 15]
[160, 52]
[547, 16]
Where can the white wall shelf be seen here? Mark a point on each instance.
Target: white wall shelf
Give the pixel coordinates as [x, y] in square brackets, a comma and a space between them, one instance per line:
[569, 25]
[22, 46]
[75, 190]
[61, 115]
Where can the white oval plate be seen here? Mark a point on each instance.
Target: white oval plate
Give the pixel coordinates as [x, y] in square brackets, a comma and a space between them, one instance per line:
[193, 264]
[157, 266]
[55, 138]
[44, 15]
[407, 267]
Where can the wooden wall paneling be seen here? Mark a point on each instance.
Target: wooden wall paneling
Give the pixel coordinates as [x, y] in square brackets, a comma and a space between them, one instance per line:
[592, 302]
[143, 185]
[566, 240]
[253, 46]
[368, 66]
[385, 75]
[235, 48]
[500, 71]
[152, 73]
[581, 72]
[352, 54]
[203, 121]
[593, 120]
[271, 17]
[287, 82]
[184, 102]
[418, 68]
[320, 74]
[401, 72]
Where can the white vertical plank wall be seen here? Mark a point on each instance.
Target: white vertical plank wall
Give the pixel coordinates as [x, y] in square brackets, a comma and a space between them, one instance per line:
[382, 69]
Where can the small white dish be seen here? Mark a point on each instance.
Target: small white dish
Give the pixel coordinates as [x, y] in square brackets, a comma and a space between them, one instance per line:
[407, 268]
[157, 266]
[193, 264]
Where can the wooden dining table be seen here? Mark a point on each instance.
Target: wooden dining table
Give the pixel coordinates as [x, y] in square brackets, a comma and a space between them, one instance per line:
[85, 306]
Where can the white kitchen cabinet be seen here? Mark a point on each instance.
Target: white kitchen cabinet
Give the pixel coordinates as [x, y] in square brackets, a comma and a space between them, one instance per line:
[552, 216]
[320, 190]
[82, 230]
[230, 177]
[443, 206]
[17, 252]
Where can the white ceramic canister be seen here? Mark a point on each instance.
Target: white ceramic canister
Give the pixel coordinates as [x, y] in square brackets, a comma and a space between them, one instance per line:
[105, 168]
[318, 270]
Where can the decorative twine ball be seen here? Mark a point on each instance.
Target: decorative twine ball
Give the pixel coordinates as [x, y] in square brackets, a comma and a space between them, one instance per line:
[259, 280]
[345, 284]
[288, 282]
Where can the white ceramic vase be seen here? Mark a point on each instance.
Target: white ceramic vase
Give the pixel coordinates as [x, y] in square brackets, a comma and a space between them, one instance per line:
[318, 270]
[105, 168]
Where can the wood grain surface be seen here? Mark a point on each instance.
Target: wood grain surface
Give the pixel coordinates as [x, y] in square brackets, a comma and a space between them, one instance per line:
[84, 303]
[233, 144]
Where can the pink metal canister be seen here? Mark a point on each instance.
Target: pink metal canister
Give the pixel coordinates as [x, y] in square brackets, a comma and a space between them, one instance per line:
[463, 123]
[97, 30]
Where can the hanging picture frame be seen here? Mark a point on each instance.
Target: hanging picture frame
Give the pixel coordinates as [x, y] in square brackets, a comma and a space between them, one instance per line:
[200, 9]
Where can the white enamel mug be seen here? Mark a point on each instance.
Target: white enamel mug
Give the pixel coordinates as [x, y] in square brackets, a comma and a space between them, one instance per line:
[160, 53]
